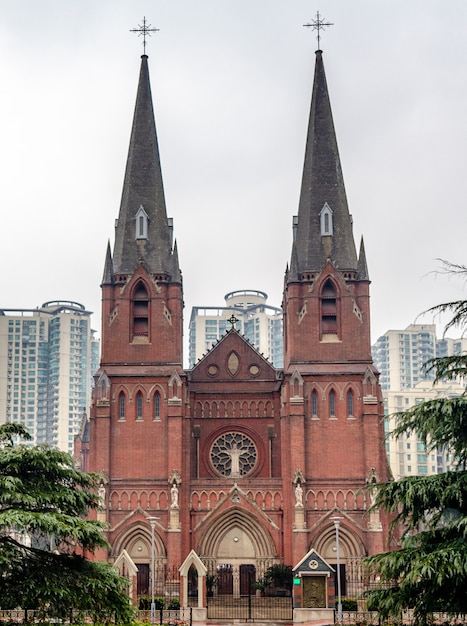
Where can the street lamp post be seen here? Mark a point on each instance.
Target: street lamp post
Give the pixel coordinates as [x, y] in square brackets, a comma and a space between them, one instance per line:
[152, 521]
[337, 521]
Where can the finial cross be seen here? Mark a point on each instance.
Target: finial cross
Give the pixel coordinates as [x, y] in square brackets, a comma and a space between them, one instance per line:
[318, 24]
[145, 30]
[233, 320]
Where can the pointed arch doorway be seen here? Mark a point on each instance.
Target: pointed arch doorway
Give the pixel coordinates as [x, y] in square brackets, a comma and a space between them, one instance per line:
[237, 549]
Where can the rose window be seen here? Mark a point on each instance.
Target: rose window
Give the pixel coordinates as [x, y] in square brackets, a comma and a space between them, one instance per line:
[233, 454]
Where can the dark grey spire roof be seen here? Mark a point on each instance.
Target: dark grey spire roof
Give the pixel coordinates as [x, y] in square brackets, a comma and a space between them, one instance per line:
[362, 268]
[108, 277]
[143, 187]
[322, 184]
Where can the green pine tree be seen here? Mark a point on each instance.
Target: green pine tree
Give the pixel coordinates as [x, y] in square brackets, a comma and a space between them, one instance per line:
[429, 572]
[44, 532]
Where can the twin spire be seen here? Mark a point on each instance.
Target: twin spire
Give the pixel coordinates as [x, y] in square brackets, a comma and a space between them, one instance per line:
[322, 230]
[143, 232]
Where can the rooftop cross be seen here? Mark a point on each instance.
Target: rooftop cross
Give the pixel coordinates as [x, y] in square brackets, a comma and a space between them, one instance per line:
[145, 30]
[233, 320]
[318, 24]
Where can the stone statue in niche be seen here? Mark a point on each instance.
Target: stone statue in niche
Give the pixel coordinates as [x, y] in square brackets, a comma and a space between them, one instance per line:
[174, 496]
[298, 495]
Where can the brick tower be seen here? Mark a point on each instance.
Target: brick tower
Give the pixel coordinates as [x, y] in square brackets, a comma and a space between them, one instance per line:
[243, 463]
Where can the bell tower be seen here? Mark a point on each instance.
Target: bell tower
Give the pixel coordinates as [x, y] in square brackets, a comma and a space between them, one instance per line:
[142, 297]
[136, 423]
[332, 403]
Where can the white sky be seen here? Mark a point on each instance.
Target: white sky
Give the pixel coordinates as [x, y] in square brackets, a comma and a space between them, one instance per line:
[231, 82]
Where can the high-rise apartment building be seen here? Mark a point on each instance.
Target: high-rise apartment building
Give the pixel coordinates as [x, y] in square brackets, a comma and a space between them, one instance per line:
[407, 455]
[259, 322]
[400, 356]
[47, 358]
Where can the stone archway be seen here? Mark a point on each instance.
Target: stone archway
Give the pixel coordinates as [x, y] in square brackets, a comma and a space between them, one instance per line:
[135, 541]
[351, 553]
[237, 549]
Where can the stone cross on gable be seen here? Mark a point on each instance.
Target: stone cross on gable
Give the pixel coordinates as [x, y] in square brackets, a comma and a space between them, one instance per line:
[233, 320]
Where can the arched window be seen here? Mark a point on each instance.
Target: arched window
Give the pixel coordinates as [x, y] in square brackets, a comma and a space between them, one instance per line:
[139, 406]
[121, 406]
[140, 307]
[329, 308]
[314, 403]
[332, 403]
[157, 406]
[350, 402]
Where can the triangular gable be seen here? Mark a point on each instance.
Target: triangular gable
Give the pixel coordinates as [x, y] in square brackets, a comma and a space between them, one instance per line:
[313, 563]
[125, 559]
[193, 559]
[233, 356]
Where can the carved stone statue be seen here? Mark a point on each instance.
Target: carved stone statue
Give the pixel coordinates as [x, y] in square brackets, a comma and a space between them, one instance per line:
[174, 496]
[298, 495]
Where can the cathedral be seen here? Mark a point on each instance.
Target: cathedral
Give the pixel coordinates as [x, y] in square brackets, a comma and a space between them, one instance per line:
[238, 462]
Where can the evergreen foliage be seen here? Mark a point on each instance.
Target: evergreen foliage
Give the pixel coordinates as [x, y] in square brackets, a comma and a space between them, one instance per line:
[44, 534]
[429, 572]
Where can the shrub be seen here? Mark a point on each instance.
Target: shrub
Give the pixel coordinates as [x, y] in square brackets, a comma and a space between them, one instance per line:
[349, 604]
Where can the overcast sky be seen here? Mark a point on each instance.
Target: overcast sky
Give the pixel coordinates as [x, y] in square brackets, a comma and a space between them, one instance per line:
[231, 83]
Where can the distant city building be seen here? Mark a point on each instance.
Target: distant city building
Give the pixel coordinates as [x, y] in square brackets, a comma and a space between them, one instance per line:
[260, 323]
[450, 347]
[408, 455]
[47, 358]
[401, 357]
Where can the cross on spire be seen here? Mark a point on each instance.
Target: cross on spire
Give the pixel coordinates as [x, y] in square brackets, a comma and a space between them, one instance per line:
[145, 30]
[318, 24]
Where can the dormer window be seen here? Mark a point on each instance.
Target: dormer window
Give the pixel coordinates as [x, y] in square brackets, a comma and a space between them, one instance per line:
[142, 220]
[326, 220]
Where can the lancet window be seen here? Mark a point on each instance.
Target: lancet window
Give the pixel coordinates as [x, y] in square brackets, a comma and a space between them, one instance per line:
[140, 307]
[314, 403]
[139, 406]
[121, 406]
[157, 406]
[332, 403]
[329, 309]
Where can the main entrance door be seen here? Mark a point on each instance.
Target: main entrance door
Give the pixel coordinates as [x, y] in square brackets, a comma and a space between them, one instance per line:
[142, 579]
[247, 579]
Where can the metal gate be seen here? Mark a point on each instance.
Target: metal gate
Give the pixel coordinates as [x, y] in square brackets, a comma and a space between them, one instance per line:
[248, 604]
[251, 608]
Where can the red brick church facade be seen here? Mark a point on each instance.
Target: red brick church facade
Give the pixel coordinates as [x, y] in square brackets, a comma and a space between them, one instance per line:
[243, 463]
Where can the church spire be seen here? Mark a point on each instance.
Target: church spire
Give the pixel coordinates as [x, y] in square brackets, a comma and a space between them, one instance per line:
[324, 228]
[143, 234]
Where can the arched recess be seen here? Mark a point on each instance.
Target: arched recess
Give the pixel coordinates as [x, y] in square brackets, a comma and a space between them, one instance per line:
[238, 536]
[329, 301]
[140, 310]
[350, 544]
[136, 540]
